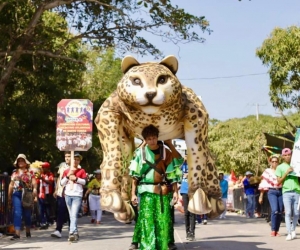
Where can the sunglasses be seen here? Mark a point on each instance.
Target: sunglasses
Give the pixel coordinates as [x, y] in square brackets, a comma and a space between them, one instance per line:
[274, 161]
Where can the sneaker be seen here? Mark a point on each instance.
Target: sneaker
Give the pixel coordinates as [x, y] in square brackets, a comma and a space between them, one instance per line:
[15, 237]
[44, 226]
[294, 236]
[56, 234]
[99, 222]
[172, 246]
[133, 246]
[288, 237]
[187, 235]
[71, 237]
[273, 234]
[205, 222]
[277, 234]
[191, 237]
[76, 237]
[92, 220]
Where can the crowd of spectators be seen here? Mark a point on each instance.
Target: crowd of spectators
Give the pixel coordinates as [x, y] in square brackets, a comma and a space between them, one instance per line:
[42, 198]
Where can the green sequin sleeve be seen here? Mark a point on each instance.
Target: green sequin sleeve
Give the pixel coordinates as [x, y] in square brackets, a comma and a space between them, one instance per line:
[135, 164]
[173, 170]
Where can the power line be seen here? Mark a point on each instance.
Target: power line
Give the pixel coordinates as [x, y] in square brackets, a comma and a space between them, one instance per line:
[220, 77]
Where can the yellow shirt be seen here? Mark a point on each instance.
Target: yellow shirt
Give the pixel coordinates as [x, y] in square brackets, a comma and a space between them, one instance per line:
[95, 186]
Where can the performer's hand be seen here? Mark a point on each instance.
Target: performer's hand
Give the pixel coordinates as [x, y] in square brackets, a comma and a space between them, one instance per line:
[175, 197]
[134, 200]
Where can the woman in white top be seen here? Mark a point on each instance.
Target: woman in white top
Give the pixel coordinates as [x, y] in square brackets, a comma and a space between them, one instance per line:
[269, 184]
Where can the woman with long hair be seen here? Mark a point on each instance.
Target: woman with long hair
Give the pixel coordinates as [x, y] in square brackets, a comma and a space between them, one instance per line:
[269, 184]
[21, 180]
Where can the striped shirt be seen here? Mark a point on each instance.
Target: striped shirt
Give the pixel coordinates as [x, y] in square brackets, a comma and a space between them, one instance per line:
[269, 180]
[46, 188]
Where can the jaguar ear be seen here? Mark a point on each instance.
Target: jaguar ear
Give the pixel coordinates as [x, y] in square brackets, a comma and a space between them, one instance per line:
[128, 62]
[171, 63]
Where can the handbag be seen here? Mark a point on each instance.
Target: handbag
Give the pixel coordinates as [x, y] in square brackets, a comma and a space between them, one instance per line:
[27, 195]
[27, 198]
[199, 204]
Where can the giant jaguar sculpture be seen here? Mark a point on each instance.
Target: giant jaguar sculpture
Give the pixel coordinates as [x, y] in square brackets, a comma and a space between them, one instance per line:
[150, 93]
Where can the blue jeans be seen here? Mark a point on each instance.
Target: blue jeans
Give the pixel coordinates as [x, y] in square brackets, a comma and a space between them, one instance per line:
[20, 212]
[189, 217]
[290, 201]
[73, 204]
[276, 204]
[250, 205]
[44, 211]
[200, 217]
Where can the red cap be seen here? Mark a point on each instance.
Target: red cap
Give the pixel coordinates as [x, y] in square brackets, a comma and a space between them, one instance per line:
[46, 165]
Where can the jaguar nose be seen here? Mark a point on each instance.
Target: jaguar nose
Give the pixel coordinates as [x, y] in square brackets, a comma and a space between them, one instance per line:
[150, 95]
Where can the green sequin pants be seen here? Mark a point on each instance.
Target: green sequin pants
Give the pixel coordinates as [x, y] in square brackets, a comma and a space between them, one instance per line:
[153, 228]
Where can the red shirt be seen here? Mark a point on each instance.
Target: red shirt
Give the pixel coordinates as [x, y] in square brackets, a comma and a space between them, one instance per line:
[44, 187]
[74, 188]
[79, 173]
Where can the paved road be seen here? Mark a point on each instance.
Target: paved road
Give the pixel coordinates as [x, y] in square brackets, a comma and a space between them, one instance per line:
[234, 233]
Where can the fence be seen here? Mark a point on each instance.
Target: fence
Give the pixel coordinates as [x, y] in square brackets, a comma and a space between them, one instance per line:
[237, 201]
[5, 213]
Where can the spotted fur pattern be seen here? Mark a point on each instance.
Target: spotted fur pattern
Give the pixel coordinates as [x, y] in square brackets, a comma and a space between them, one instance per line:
[150, 93]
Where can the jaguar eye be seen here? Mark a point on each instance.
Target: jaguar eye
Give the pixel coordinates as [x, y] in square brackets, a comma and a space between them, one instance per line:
[137, 81]
[162, 80]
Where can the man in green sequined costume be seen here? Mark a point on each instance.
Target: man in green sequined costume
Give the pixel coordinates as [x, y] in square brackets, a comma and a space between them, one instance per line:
[155, 171]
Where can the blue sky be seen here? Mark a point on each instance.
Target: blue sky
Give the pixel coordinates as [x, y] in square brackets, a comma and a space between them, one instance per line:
[239, 28]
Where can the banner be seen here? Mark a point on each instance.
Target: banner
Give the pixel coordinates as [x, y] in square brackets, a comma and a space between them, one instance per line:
[295, 161]
[74, 125]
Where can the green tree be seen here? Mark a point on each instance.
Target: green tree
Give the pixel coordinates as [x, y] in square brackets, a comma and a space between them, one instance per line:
[98, 82]
[237, 144]
[122, 24]
[102, 75]
[281, 53]
[28, 117]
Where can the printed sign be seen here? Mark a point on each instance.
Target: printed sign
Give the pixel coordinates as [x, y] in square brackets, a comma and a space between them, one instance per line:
[295, 161]
[74, 125]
